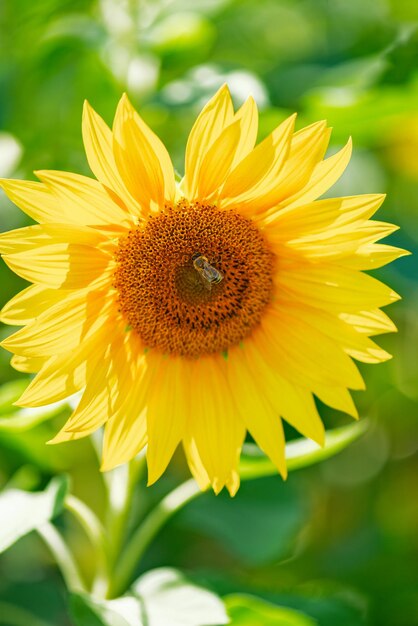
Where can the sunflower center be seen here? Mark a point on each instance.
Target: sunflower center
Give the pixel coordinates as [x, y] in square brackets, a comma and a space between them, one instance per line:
[194, 280]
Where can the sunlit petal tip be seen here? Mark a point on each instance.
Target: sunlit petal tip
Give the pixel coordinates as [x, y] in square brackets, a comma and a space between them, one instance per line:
[283, 471]
[217, 486]
[86, 107]
[233, 484]
[124, 106]
[223, 89]
[401, 252]
[153, 475]
[6, 343]
[55, 440]
[395, 296]
[223, 93]
[21, 403]
[320, 437]
[151, 481]
[61, 437]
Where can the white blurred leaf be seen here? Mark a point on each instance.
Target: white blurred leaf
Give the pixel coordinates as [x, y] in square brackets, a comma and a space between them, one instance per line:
[89, 611]
[170, 599]
[22, 511]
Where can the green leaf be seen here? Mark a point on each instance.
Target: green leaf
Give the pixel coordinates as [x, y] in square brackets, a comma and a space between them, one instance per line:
[248, 611]
[89, 611]
[10, 392]
[260, 525]
[22, 511]
[327, 602]
[168, 597]
[301, 452]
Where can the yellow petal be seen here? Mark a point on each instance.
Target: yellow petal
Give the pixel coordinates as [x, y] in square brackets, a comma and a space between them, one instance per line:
[307, 148]
[356, 344]
[124, 438]
[142, 160]
[126, 428]
[28, 365]
[29, 304]
[61, 265]
[374, 322]
[318, 356]
[65, 373]
[167, 408]
[214, 425]
[334, 288]
[35, 199]
[195, 463]
[63, 437]
[31, 237]
[321, 216]
[62, 327]
[84, 200]
[218, 162]
[337, 398]
[342, 244]
[98, 143]
[248, 116]
[103, 380]
[261, 419]
[215, 116]
[258, 171]
[324, 176]
[371, 256]
[295, 404]
[55, 381]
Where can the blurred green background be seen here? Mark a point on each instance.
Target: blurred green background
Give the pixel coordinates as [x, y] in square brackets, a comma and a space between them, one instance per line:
[338, 541]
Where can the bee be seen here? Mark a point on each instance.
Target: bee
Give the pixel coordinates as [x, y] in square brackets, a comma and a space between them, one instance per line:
[209, 274]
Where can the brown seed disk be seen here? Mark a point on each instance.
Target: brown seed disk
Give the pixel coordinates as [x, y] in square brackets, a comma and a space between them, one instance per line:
[164, 298]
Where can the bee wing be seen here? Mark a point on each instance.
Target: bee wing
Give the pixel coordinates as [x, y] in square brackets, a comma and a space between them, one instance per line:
[214, 275]
[205, 280]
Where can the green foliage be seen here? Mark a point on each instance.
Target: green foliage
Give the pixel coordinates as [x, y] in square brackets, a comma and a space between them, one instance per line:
[261, 524]
[248, 611]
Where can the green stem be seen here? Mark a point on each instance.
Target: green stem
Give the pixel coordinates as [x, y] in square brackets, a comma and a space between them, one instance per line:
[146, 532]
[87, 519]
[63, 557]
[96, 533]
[122, 482]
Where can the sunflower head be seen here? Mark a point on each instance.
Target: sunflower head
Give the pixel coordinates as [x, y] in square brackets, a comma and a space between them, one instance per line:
[194, 312]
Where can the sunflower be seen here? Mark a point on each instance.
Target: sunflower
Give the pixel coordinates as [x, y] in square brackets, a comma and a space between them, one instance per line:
[194, 312]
